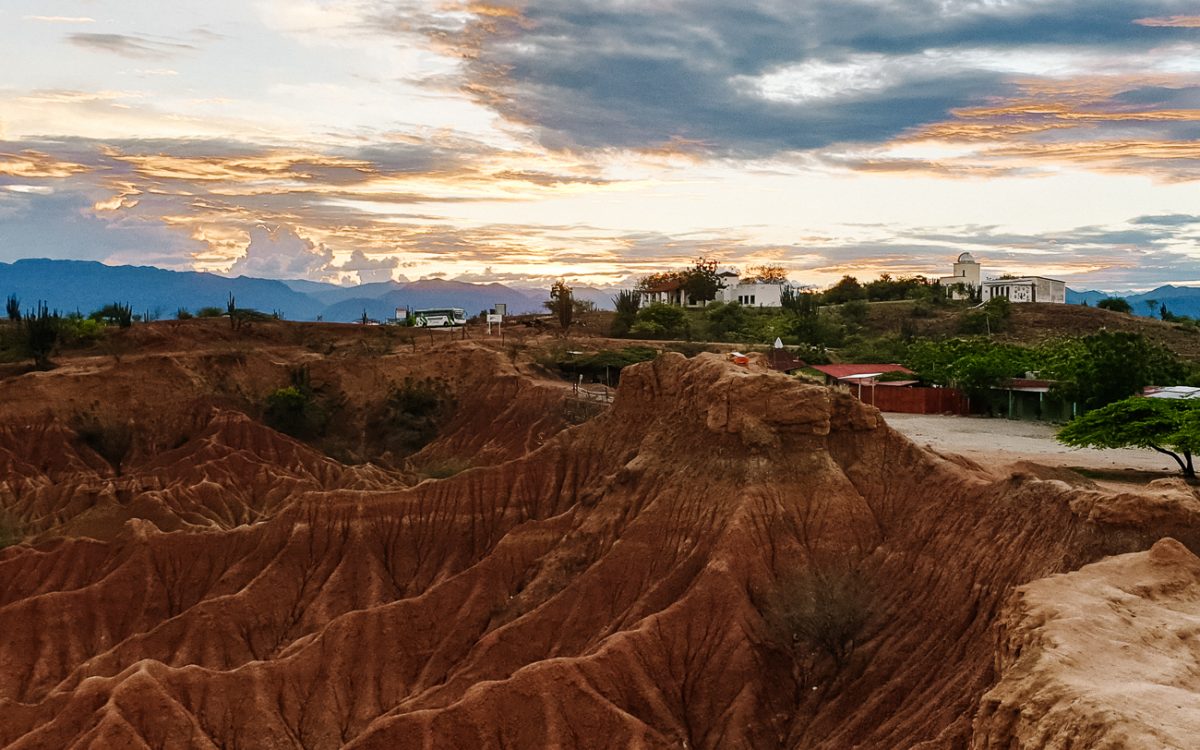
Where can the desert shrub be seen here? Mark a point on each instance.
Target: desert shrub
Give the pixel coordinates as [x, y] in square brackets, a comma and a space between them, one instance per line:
[922, 309]
[118, 315]
[819, 611]
[76, 330]
[444, 469]
[183, 314]
[627, 302]
[411, 415]
[294, 412]
[41, 335]
[209, 312]
[992, 317]
[11, 530]
[112, 440]
[295, 409]
[854, 312]
[603, 366]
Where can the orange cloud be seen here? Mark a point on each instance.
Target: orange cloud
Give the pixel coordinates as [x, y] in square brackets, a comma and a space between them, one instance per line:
[35, 164]
[1178, 22]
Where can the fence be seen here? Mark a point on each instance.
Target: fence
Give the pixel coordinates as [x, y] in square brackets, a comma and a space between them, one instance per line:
[906, 400]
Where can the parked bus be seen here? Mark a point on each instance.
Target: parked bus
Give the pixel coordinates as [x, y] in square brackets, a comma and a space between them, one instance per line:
[441, 317]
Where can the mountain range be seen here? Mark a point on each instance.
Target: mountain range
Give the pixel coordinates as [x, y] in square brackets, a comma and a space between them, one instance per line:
[1181, 300]
[72, 285]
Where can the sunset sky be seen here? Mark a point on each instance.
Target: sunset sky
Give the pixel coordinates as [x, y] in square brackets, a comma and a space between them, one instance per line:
[359, 140]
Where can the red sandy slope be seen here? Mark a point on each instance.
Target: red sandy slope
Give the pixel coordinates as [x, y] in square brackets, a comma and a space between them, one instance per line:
[603, 590]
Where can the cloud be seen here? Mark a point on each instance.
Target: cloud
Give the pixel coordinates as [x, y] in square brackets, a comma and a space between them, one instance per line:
[1168, 220]
[762, 77]
[369, 270]
[1178, 22]
[278, 252]
[125, 45]
[59, 19]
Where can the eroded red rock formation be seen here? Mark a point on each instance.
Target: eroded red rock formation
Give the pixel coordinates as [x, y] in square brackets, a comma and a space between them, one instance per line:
[606, 588]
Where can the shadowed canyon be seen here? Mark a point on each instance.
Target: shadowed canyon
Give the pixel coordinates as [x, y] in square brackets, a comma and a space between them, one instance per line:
[188, 577]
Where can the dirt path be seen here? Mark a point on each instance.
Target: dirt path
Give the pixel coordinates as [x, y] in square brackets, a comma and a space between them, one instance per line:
[1003, 441]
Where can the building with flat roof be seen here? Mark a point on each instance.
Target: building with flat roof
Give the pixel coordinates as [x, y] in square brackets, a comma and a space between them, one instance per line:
[1026, 289]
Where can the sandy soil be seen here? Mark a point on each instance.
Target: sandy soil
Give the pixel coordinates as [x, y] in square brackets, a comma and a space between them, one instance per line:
[992, 441]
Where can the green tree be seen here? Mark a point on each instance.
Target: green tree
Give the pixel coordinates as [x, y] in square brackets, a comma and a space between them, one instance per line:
[845, 290]
[974, 365]
[701, 282]
[660, 319]
[562, 304]
[1116, 304]
[1108, 366]
[725, 321]
[1169, 426]
[766, 275]
[805, 322]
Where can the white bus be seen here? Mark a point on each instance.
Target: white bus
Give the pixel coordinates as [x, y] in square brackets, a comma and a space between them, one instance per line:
[441, 317]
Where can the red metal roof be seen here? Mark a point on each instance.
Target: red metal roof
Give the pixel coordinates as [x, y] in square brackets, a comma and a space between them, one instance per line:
[664, 286]
[845, 371]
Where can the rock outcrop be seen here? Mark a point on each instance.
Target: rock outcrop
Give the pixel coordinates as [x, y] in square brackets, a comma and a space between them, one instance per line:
[1105, 657]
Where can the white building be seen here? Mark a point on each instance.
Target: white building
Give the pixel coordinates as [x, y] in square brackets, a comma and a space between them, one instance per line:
[1026, 289]
[967, 272]
[750, 293]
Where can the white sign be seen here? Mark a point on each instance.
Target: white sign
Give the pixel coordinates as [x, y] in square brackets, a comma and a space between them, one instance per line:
[493, 318]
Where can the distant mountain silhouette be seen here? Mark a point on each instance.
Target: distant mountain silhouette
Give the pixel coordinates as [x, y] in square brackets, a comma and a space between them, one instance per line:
[473, 298]
[1180, 300]
[70, 285]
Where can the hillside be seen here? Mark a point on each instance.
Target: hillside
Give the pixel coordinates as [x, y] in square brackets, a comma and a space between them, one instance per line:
[638, 578]
[1033, 323]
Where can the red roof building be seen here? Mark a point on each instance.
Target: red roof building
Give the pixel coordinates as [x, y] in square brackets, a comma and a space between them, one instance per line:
[858, 373]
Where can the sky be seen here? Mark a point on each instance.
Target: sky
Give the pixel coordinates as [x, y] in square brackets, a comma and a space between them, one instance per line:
[602, 140]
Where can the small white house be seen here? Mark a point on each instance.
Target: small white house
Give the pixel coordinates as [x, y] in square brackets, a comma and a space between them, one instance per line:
[750, 293]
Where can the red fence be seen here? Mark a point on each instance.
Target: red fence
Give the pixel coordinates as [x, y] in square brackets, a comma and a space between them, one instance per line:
[913, 400]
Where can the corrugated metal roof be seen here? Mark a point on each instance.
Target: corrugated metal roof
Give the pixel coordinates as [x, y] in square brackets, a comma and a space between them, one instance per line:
[846, 371]
[1173, 392]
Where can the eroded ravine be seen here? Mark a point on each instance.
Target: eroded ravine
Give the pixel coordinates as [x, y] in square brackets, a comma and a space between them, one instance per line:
[595, 587]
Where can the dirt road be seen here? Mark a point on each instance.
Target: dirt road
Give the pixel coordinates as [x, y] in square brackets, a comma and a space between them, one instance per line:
[993, 441]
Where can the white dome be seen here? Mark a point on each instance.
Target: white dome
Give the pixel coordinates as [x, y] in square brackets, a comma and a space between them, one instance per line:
[966, 258]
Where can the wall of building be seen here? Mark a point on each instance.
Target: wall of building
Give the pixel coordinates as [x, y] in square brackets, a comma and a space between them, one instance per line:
[752, 295]
[912, 400]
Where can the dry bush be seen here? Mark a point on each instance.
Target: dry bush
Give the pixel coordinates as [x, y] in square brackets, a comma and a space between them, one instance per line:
[815, 610]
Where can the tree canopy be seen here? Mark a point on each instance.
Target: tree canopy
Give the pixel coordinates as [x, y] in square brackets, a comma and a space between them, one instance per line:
[1169, 426]
[1116, 304]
